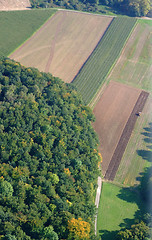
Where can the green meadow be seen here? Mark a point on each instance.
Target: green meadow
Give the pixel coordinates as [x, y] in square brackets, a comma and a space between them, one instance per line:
[118, 209]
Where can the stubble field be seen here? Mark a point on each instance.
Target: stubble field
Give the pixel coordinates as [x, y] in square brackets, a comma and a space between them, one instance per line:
[63, 44]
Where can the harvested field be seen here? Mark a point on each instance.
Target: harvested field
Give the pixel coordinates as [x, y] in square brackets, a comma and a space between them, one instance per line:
[134, 65]
[123, 141]
[63, 44]
[112, 113]
[7, 5]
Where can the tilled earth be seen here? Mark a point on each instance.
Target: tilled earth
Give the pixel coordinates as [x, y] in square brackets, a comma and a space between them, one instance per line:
[123, 141]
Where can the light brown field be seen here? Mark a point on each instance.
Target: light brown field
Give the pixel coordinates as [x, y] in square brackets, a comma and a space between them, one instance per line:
[7, 5]
[112, 112]
[134, 66]
[63, 44]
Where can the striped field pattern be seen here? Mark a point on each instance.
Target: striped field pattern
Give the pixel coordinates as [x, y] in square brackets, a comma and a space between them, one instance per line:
[94, 71]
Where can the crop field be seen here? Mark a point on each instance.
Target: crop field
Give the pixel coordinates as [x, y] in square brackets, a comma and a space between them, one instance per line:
[126, 134]
[112, 113]
[117, 209]
[18, 26]
[134, 66]
[63, 44]
[103, 58]
[6, 5]
[138, 154]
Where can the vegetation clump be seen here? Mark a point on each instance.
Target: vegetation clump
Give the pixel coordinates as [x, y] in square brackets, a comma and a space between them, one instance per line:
[129, 7]
[48, 157]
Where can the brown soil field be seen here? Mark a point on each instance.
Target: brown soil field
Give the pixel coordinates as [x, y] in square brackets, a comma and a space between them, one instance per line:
[133, 164]
[112, 113]
[126, 134]
[7, 5]
[63, 43]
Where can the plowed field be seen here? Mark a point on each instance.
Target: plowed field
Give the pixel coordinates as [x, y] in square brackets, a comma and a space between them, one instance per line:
[112, 113]
[63, 44]
[6, 5]
[123, 141]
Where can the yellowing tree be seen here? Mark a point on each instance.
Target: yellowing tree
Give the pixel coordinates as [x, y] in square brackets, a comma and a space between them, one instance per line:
[78, 229]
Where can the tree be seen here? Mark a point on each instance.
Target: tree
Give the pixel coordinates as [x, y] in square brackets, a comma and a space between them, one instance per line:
[6, 188]
[139, 231]
[49, 233]
[78, 229]
[145, 7]
[47, 156]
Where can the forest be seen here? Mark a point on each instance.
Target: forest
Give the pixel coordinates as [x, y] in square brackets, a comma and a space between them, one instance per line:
[136, 8]
[48, 157]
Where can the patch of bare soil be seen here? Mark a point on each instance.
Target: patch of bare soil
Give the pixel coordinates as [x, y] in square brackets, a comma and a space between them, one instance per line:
[8, 5]
[123, 141]
[112, 113]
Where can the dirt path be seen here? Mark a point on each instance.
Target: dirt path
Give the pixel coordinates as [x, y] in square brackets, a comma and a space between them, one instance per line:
[97, 200]
[123, 141]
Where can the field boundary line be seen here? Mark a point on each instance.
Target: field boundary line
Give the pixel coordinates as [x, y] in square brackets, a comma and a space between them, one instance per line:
[97, 72]
[81, 12]
[92, 51]
[34, 33]
[125, 136]
[96, 97]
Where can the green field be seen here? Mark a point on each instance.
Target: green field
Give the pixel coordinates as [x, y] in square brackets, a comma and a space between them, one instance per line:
[103, 58]
[118, 209]
[134, 66]
[17, 26]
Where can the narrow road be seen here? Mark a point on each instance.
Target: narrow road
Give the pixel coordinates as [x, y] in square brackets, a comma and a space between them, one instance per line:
[97, 200]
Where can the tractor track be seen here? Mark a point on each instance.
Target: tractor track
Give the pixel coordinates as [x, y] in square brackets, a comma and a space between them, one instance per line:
[123, 141]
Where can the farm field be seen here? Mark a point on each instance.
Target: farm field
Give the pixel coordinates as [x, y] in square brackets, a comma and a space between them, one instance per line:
[134, 66]
[112, 112]
[126, 134]
[94, 72]
[7, 5]
[18, 26]
[138, 155]
[117, 209]
[63, 44]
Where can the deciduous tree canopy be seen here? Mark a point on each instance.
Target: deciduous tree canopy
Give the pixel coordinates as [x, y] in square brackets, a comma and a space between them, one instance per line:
[48, 156]
[129, 7]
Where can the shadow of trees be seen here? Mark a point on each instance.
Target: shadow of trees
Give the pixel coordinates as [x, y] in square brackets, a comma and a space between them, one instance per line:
[140, 194]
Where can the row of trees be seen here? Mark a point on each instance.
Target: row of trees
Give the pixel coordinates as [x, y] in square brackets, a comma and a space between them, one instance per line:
[130, 7]
[48, 158]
